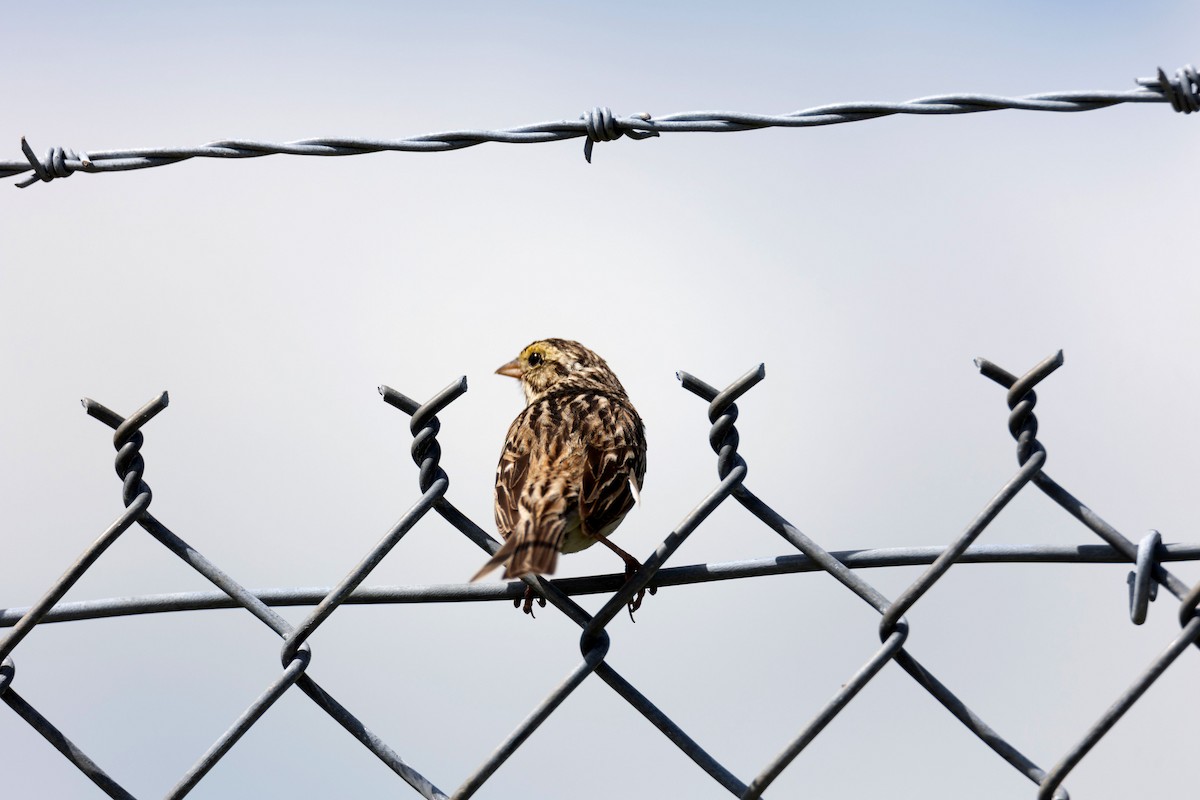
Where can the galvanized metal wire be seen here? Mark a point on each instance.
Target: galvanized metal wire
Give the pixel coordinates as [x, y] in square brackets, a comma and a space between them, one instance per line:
[1149, 558]
[1181, 91]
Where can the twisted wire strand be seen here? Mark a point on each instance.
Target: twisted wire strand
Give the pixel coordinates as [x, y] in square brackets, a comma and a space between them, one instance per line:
[1032, 458]
[136, 496]
[893, 627]
[1023, 427]
[296, 658]
[434, 483]
[1181, 91]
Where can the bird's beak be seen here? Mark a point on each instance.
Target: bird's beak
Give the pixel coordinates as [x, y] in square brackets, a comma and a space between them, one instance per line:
[512, 369]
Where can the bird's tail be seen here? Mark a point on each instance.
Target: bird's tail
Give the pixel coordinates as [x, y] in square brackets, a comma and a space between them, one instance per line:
[532, 555]
[522, 555]
[499, 558]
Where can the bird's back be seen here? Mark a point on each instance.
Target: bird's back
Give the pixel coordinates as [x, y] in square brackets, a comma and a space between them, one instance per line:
[563, 477]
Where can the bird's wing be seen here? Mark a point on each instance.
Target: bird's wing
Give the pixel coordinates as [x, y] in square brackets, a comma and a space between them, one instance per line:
[511, 474]
[533, 496]
[613, 464]
[605, 495]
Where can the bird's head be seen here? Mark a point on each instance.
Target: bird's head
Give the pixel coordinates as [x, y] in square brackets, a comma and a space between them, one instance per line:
[551, 365]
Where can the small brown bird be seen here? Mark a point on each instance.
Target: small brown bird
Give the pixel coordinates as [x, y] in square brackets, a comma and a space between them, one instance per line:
[572, 464]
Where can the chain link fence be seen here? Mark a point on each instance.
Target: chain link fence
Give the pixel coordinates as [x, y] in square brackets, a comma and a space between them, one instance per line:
[1149, 557]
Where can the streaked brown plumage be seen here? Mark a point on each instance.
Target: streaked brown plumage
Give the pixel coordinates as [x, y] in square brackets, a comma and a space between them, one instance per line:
[572, 463]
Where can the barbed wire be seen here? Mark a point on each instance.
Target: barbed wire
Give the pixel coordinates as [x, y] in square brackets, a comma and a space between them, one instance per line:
[1148, 558]
[1181, 91]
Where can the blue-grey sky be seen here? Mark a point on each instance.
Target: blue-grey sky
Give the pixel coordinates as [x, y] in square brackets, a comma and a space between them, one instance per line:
[865, 264]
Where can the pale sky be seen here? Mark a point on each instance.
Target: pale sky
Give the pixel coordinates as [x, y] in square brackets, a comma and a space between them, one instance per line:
[865, 264]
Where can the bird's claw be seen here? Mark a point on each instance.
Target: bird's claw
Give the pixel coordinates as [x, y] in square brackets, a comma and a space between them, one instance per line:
[529, 598]
[636, 603]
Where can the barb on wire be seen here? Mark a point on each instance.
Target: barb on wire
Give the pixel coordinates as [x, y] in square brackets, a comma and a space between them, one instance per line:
[1181, 91]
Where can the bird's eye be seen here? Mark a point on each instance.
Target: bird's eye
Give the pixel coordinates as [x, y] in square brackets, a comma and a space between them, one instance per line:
[535, 359]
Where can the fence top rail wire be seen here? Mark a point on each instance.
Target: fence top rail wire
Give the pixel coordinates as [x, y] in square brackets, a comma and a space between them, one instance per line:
[597, 584]
[1181, 91]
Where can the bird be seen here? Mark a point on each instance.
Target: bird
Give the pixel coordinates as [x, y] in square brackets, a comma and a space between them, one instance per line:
[572, 464]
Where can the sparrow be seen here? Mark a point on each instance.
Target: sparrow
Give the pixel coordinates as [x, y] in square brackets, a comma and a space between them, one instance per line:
[572, 463]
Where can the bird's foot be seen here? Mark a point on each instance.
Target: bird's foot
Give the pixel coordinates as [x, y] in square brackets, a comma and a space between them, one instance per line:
[632, 565]
[529, 598]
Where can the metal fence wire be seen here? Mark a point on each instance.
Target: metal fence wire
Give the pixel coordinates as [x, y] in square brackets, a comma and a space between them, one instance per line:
[1149, 556]
[1181, 90]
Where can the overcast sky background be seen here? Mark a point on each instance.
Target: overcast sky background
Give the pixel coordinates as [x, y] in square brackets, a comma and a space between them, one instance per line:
[866, 264]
